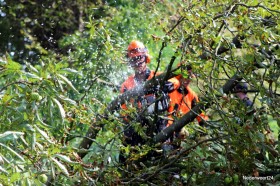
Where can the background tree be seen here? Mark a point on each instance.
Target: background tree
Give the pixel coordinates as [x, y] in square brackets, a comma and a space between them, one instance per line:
[58, 79]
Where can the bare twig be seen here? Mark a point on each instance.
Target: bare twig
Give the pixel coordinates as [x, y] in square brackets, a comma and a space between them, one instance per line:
[163, 45]
[86, 92]
[16, 82]
[181, 19]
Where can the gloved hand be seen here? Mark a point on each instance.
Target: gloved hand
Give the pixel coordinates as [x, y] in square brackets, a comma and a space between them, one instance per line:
[241, 86]
[247, 102]
[168, 87]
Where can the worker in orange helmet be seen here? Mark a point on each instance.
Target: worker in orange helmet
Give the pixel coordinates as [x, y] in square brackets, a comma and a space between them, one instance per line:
[184, 98]
[138, 58]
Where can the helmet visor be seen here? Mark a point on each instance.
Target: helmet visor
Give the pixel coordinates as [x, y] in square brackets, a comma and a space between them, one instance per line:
[137, 61]
[136, 52]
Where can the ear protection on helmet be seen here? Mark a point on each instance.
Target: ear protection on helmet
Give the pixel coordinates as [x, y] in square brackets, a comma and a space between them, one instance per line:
[148, 58]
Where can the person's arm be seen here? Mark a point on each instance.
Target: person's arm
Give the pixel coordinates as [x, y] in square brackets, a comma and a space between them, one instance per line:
[123, 89]
[202, 118]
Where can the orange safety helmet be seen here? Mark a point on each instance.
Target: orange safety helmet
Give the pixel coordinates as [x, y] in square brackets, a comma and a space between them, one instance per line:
[187, 67]
[137, 48]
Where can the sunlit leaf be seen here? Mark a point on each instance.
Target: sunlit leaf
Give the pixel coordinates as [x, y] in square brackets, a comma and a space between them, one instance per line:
[27, 182]
[12, 151]
[15, 177]
[44, 134]
[61, 167]
[68, 100]
[23, 140]
[32, 68]
[61, 109]
[12, 65]
[3, 170]
[41, 121]
[67, 82]
[65, 158]
[31, 75]
[52, 170]
[69, 70]
[41, 147]
[3, 61]
[33, 140]
[10, 135]
[3, 159]
[6, 98]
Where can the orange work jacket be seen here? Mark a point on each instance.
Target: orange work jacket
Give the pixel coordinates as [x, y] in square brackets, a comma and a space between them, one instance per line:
[181, 103]
[130, 83]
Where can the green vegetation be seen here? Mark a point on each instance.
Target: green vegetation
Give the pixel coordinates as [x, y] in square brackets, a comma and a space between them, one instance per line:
[62, 63]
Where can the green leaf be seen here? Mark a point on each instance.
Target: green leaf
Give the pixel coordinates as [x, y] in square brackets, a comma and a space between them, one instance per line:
[31, 75]
[274, 127]
[67, 82]
[61, 109]
[3, 159]
[52, 171]
[69, 70]
[3, 61]
[26, 182]
[32, 68]
[44, 134]
[15, 176]
[12, 65]
[41, 121]
[61, 167]
[3, 170]
[178, 71]
[10, 135]
[29, 127]
[6, 98]
[23, 140]
[12, 151]
[68, 100]
[33, 140]
[65, 158]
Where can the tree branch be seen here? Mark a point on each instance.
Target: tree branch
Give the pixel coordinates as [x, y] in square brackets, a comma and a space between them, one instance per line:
[180, 154]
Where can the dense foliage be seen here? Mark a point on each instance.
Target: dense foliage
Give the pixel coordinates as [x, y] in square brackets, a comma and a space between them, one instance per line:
[61, 66]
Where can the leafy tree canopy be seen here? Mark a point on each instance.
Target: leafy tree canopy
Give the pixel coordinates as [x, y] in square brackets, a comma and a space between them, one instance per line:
[61, 66]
